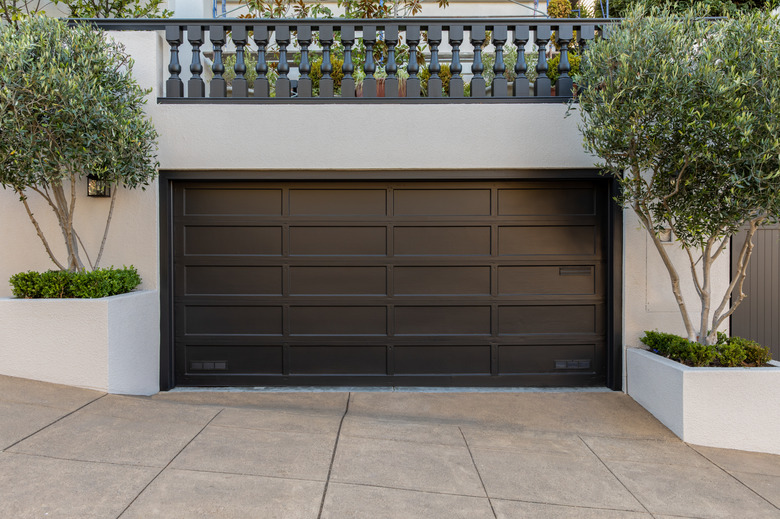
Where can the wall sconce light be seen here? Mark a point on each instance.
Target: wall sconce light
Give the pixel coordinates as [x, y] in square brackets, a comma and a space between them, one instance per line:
[98, 187]
[665, 236]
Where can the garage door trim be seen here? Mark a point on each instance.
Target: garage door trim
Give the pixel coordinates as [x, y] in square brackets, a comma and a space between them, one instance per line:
[613, 249]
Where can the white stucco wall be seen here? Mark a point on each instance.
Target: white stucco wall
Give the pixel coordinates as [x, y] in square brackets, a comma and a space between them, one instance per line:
[728, 408]
[109, 344]
[324, 137]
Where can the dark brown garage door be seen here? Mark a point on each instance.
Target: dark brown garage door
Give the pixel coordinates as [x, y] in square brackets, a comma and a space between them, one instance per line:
[365, 283]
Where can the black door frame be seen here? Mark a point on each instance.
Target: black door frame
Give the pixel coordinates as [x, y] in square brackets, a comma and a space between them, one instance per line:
[614, 226]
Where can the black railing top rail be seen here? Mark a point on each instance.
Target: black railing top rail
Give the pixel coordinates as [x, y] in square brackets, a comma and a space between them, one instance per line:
[146, 24]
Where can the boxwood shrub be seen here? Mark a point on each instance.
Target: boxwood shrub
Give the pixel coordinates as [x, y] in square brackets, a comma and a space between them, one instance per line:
[83, 285]
[727, 352]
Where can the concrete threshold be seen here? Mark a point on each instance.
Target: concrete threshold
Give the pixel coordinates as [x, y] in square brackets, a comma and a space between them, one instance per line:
[410, 389]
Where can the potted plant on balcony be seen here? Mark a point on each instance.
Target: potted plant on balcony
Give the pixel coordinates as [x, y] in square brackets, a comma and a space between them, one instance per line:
[72, 120]
[684, 113]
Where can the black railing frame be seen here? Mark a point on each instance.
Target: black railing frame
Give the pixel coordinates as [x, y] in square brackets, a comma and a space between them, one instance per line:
[515, 30]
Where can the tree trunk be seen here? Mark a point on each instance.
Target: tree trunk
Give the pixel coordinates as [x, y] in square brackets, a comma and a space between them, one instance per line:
[673, 275]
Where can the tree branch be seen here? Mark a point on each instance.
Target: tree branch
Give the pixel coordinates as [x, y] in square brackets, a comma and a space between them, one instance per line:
[706, 292]
[108, 223]
[23, 198]
[721, 247]
[676, 183]
[92, 267]
[693, 269]
[738, 281]
[644, 215]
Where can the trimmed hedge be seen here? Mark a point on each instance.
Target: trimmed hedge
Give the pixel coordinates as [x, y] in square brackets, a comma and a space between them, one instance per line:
[81, 285]
[728, 352]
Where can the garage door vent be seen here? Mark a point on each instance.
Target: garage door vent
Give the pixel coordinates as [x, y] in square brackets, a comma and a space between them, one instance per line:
[209, 365]
[572, 364]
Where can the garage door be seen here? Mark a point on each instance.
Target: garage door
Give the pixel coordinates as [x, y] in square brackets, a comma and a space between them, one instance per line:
[389, 283]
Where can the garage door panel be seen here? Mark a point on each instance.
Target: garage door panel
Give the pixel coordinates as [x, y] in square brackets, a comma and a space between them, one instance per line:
[243, 201]
[441, 359]
[338, 241]
[441, 202]
[338, 202]
[546, 358]
[266, 360]
[546, 319]
[442, 320]
[441, 281]
[220, 279]
[547, 280]
[225, 240]
[547, 240]
[338, 360]
[338, 281]
[233, 320]
[389, 282]
[338, 320]
[547, 202]
[441, 241]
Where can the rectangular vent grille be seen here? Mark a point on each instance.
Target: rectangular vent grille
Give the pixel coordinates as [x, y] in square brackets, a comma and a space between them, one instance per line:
[572, 364]
[209, 365]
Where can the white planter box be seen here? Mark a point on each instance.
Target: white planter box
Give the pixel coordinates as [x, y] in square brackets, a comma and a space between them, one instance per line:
[731, 408]
[110, 344]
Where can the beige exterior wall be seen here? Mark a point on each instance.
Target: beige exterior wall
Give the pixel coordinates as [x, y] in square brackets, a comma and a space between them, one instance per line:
[325, 137]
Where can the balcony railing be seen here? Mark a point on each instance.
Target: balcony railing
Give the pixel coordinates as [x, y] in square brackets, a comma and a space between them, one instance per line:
[369, 60]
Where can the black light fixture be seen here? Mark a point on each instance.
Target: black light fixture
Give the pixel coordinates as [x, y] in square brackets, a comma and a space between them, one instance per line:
[98, 187]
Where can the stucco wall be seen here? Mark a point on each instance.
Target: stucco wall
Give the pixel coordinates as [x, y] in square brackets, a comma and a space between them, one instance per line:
[109, 344]
[323, 137]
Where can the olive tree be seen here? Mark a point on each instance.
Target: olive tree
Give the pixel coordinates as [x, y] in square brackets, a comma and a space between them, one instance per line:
[685, 113]
[69, 108]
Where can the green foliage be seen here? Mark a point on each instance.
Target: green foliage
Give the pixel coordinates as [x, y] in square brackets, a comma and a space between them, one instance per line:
[679, 349]
[621, 8]
[730, 354]
[559, 8]
[697, 354]
[115, 9]
[444, 74]
[336, 73]
[352, 8]
[510, 59]
[554, 62]
[727, 352]
[69, 107]
[12, 11]
[82, 285]
[755, 354]
[685, 113]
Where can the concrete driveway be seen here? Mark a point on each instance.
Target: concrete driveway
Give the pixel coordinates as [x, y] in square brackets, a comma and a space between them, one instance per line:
[77, 453]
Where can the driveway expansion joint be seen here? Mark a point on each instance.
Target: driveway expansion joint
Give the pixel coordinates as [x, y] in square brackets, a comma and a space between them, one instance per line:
[617, 478]
[416, 490]
[77, 460]
[55, 421]
[167, 465]
[244, 474]
[333, 456]
[735, 478]
[482, 482]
